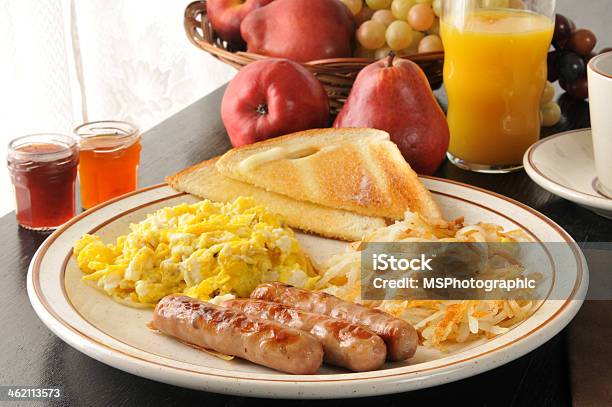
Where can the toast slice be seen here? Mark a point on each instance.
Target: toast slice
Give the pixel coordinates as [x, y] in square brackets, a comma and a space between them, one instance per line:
[357, 170]
[204, 181]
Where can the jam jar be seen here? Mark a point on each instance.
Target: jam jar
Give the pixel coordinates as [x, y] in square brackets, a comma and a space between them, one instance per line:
[43, 170]
[109, 156]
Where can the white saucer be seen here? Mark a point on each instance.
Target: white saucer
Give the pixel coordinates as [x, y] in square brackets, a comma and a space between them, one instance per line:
[563, 164]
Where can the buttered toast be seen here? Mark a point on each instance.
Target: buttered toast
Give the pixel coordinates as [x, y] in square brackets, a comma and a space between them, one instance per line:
[204, 181]
[356, 170]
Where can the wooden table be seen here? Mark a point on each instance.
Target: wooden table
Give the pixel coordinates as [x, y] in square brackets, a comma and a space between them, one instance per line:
[32, 355]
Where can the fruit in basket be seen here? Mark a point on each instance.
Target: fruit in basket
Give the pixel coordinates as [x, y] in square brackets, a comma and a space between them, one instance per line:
[378, 4]
[382, 53]
[399, 35]
[393, 95]
[354, 6]
[417, 37]
[300, 30]
[421, 17]
[371, 34]
[225, 17]
[431, 43]
[437, 7]
[400, 8]
[407, 22]
[383, 16]
[270, 98]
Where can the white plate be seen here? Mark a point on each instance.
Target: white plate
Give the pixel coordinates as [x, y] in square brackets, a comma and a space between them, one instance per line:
[563, 164]
[116, 335]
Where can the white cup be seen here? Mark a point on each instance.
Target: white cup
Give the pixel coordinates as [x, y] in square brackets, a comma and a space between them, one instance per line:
[600, 101]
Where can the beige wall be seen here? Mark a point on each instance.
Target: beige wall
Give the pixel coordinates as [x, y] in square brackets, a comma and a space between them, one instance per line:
[596, 15]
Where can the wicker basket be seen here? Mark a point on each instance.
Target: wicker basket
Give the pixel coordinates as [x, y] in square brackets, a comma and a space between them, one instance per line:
[337, 75]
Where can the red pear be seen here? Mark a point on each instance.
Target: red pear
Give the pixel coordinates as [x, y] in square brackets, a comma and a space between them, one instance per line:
[394, 95]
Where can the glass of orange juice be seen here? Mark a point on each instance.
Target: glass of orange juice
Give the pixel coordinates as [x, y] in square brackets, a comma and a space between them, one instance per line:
[494, 73]
[109, 155]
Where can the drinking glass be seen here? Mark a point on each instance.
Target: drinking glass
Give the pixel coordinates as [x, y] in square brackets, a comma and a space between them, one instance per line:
[495, 73]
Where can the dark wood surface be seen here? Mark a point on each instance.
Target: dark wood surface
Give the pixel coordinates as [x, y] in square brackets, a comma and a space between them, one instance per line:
[32, 355]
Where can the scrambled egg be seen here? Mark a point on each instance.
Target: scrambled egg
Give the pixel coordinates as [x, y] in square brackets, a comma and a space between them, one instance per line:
[206, 250]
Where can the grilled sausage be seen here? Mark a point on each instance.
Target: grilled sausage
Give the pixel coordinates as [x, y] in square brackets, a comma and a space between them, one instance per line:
[399, 336]
[234, 333]
[344, 344]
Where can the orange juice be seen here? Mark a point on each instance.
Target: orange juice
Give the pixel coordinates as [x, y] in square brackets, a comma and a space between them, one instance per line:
[494, 74]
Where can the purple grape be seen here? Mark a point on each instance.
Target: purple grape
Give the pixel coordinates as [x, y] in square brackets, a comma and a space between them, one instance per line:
[571, 67]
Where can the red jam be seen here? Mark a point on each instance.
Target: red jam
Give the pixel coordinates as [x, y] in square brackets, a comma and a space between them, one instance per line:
[43, 170]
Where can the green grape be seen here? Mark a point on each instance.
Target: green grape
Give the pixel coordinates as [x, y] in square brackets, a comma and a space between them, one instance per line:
[549, 93]
[417, 36]
[437, 7]
[400, 8]
[371, 34]
[421, 17]
[551, 114]
[382, 52]
[378, 4]
[431, 43]
[353, 5]
[383, 16]
[399, 35]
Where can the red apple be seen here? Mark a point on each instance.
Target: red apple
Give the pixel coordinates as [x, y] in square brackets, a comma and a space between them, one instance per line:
[225, 16]
[300, 30]
[270, 98]
[394, 95]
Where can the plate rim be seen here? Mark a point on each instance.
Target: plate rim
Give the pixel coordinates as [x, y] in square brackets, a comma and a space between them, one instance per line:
[544, 181]
[554, 322]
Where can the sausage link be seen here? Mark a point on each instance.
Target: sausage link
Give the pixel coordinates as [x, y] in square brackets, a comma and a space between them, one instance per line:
[399, 336]
[344, 344]
[234, 333]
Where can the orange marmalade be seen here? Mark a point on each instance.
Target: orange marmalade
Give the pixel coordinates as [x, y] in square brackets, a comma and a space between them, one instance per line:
[109, 159]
